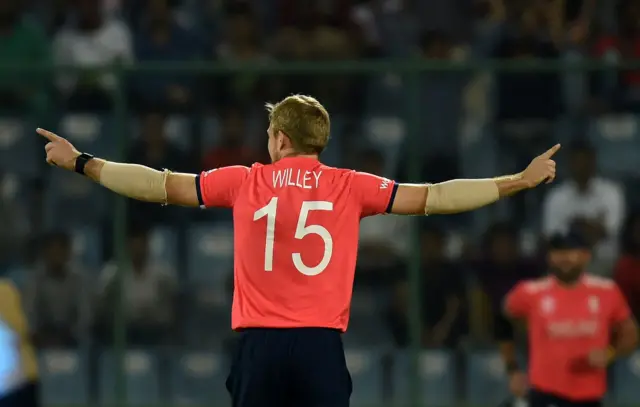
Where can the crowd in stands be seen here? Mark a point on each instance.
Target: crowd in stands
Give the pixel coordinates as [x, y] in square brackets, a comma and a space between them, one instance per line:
[467, 263]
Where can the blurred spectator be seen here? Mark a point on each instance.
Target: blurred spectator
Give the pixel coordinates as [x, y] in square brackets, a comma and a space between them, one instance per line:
[525, 42]
[22, 43]
[14, 220]
[627, 269]
[593, 204]
[290, 45]
[149, 295]
[52, 14]
[309, 15]
[91, 42]
[441, 93]
[162, 39]
[232, 148]
[154, 149]
[384, 240]
[442, 294]
[500, 266]
[365, 15]
[622, 90]
[338, 92]
[241, 44]
[58, 296]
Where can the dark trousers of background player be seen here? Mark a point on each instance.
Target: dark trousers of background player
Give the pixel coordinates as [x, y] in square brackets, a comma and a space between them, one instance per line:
[25, 396]
[541, 399]
[289, 368]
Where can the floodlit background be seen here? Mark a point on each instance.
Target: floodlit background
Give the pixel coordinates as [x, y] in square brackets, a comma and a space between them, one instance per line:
[129, 303]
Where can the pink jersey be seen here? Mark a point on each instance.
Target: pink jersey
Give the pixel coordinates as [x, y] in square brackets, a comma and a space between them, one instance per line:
[565, 325]
[296, 226]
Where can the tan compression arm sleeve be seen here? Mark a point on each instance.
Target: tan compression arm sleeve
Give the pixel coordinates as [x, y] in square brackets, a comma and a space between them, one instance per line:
[460, 195]
[135, 181]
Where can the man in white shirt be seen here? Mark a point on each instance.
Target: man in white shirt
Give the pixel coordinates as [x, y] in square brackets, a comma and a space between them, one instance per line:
[92, 41]
[593, 204]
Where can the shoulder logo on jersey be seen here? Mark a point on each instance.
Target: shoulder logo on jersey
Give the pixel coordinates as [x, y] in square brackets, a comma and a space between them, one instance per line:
[547, 305]
[385, 183]
[594, 304]
[541, 284]
[597, 281]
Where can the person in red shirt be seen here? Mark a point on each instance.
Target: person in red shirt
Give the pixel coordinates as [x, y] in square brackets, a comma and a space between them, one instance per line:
[577, 323]
[296, 225]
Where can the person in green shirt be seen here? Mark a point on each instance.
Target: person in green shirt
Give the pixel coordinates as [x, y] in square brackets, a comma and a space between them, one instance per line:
[23, 45]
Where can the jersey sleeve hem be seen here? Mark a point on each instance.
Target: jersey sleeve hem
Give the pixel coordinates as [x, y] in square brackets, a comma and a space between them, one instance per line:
[392, 198]
[199, 192]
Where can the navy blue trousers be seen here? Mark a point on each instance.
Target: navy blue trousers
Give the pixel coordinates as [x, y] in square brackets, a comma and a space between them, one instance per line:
[297, 367]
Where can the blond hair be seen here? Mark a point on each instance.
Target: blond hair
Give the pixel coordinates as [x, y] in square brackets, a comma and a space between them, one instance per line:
[304, 120]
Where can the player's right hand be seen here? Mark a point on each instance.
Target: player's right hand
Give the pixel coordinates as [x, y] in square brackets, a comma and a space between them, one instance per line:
[599, 358]
[542, 168]
[60, 152]
[518, 383]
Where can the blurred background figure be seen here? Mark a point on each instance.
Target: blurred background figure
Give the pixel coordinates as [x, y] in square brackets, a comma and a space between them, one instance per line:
[441, 309]
[22, 42]
[15, 223]
[58, 295]
[593, 204]
[499, 267]
[149, 294]
[233, 147]
[90, 41]
[162, 38]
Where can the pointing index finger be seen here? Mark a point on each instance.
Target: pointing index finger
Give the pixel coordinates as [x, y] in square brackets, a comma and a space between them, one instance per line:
[47, 134]
[550, 152]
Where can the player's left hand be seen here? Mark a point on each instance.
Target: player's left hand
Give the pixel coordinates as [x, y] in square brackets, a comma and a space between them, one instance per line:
[542, 168]
[599, 358]
[60, 152]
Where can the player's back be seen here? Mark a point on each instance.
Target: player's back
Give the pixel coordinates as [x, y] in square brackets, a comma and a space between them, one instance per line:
[296, 240]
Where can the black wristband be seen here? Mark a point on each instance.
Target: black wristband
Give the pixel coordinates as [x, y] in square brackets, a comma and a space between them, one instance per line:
[81, 161]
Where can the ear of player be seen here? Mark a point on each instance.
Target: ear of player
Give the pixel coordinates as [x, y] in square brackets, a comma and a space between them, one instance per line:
[60, 152]
[542, 168]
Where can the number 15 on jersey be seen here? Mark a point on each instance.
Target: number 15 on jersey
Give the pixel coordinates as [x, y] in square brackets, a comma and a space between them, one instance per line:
[302, 230]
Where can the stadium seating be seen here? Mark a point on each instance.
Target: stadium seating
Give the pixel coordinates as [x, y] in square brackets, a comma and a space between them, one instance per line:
[142, 381]
[210, 130]
[178, 129]
[92, 133]
[210, 252]
[437, 375]
[367, 326]
[64, 377]
[20, 148]
[626, 378]
[72, 200]
[385, 133]
[617, 140]
[365, 367]
[164, 246]
[198, 378]
[385, 96]
[87, 246]
[486, 378]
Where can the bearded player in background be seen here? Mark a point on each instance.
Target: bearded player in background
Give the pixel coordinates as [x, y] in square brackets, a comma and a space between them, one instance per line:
[296, 225]
[577, 325]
